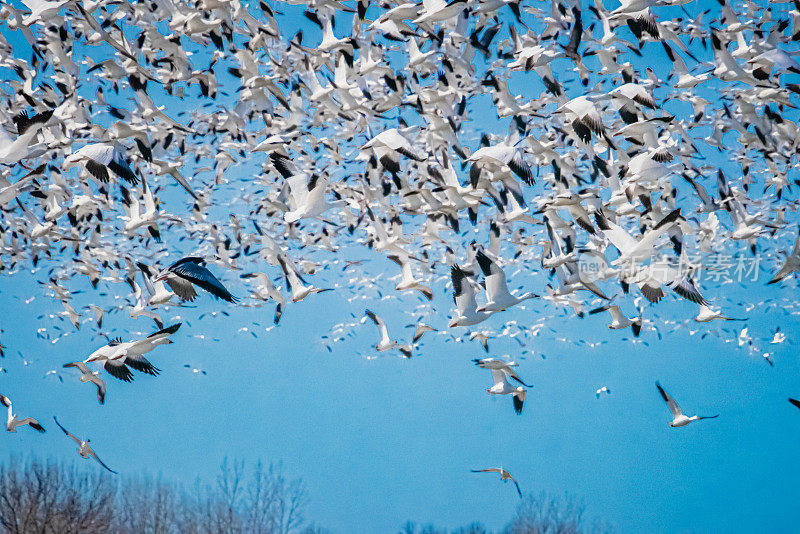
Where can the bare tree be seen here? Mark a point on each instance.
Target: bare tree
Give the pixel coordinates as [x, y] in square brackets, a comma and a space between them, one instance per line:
[48, 497]
[411, 528]
[543, 514]
[54, 498]
[535, 514]
[472, 528]
[147, 506]
[263, 502]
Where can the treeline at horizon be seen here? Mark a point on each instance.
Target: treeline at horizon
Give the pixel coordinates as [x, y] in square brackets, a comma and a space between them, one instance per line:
[50, 496]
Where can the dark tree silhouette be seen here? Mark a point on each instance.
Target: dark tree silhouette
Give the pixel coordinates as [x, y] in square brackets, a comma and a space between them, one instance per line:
[544, 514]
[535, 514]
[51, 497]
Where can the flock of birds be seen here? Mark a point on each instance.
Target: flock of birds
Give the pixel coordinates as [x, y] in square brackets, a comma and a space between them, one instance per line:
[287, 157]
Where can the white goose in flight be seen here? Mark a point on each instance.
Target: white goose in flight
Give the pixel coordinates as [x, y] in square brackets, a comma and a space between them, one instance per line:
[117, 356]
[387, 145]
[84, 450]
[385, 342]
[266, 290]
[135, 218]
[497, 294]
[419, 330]
[99, 159]
[159, 294]
[500, 365]
[507, 156]
[408, 282]
[619, 321]
[12, 422]
[309, 197]
[464, 296]
[630, 248]
[706, 315]
[87, 375]
[440, 10]
[9, 191]
[503, 387]
[12, 151]
[505, 476]
[140, 307]
[295, 283]
[678, 418]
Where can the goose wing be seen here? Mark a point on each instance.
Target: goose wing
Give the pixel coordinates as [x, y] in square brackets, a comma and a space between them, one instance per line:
[168, 331]
[94, 455]
[142, 364]
[516, 486]
[499, 377]
[76, 440]
[495, 277]
[519, 401]
[615, 312]
[183, 288]
[489, 470]
[101, 157]
[146, 274]
[673, 406]
[614, 233]
[101, 387]
[118, 370]
[513, 374]
[190, 270]
[701, 191]
[464, 293]
[379, 323]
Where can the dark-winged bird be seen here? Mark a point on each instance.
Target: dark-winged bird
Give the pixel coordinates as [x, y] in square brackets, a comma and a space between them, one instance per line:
[184, 274]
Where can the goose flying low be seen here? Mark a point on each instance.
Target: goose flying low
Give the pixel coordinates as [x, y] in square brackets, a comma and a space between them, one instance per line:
[13, 422]
[84, 449]
[505, 476]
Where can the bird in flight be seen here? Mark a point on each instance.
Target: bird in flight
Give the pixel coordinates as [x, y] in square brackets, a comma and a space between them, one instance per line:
[87, 375]
[500, 365]
[118, 356]
[12, 422]
[503, 387]
[84, 450]
[505, 476]
[678, 418]
[184, 274]
[604, 389]
[619, 321]
[385, 342]
[497, 294]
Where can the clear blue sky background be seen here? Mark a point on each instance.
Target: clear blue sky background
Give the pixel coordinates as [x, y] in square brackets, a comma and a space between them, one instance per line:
[381, 441]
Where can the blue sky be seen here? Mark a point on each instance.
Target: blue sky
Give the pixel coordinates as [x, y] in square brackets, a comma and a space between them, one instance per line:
[381, 441]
